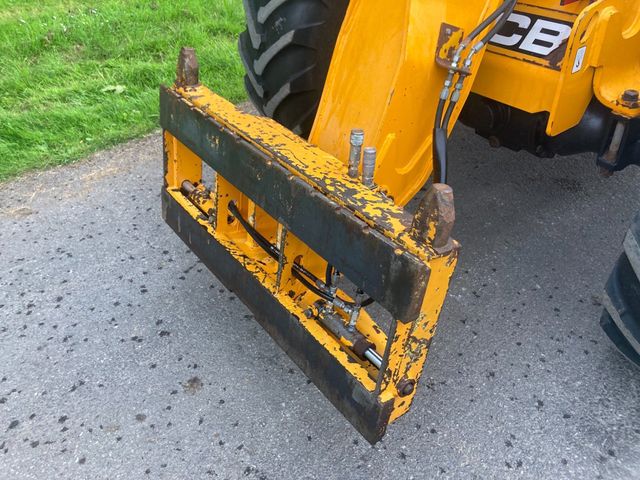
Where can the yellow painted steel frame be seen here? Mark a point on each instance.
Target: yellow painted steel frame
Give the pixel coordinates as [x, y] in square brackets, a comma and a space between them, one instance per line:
[408, 344]
[600, 57]
[384, 79]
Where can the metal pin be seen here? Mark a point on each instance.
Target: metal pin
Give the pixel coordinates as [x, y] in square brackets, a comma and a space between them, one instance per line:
[368, 166]
[611, 156]
[187, 187]
[356, 140]
[374, 357]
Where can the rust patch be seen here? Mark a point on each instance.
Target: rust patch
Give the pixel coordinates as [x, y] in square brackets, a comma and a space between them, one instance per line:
[448, 41]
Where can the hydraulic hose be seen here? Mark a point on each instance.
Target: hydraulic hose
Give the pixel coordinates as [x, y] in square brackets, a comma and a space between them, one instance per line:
[463, 45]
[504, 11]
[441, 128]
[307, 278]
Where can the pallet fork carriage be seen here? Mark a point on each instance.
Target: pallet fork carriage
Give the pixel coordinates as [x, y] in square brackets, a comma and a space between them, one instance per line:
[272, 189]
[307, 224]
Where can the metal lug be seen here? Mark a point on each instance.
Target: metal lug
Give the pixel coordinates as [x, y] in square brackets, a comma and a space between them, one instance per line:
[434, 220]
[188, 69]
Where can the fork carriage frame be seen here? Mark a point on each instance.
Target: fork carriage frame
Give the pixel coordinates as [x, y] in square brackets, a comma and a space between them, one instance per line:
[302, 200]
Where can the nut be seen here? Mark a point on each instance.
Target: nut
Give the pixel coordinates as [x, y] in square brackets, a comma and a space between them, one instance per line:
[630, 98]
[406, 387]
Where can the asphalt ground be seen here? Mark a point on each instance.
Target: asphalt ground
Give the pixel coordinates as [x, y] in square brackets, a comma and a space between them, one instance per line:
[121, 356]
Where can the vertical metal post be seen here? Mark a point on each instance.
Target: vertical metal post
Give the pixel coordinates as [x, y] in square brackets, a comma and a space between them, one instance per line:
[368, 166]
[188, 69]
[356, 140]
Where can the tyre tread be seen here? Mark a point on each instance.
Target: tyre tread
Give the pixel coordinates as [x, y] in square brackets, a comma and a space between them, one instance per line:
[286, 50]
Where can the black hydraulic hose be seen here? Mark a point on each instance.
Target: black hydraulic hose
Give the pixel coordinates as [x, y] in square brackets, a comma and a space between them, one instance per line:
[500, 23]
[472, 36]
[267, 246]
[328, 275]
[447, 116]
[504, 11]
[440, 161]
[510, 5]
[441, 127]
[254, 234]
[439, 112]
[365, 303]
[309, 285]
[501, 9]
[298, 271]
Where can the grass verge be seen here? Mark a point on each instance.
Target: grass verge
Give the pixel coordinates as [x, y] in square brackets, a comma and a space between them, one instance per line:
[76, 78]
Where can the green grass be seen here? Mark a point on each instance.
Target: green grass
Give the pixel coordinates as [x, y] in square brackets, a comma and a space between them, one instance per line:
[78, 76]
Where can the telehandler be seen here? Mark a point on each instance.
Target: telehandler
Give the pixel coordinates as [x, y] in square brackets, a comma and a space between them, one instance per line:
[300, 211]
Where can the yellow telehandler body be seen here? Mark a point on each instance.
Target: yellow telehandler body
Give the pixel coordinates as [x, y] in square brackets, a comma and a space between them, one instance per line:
[302, 214]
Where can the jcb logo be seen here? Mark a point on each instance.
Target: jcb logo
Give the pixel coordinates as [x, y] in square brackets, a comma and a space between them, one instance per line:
[532, 34]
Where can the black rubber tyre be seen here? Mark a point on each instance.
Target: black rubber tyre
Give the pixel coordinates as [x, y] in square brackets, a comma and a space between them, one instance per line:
[286, 51]
[621, 317]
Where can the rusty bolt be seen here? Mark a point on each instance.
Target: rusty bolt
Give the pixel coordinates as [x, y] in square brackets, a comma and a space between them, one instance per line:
[188, 69]
[435, 218]
[406, 387]
[355, 153]
[630, 98]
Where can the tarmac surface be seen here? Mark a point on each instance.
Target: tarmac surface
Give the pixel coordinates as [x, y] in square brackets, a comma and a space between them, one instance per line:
[122, 357]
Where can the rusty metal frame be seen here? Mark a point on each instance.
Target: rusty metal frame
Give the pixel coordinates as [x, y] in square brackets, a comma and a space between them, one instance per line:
[303, 201]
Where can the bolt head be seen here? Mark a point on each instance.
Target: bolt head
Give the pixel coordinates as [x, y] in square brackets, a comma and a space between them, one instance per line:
[370, 152]
[357, 137]
[630, 98]
[406, 387]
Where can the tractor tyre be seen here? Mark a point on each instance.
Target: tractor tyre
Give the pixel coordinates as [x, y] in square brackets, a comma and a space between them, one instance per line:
[286, 51]
[621, 317]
